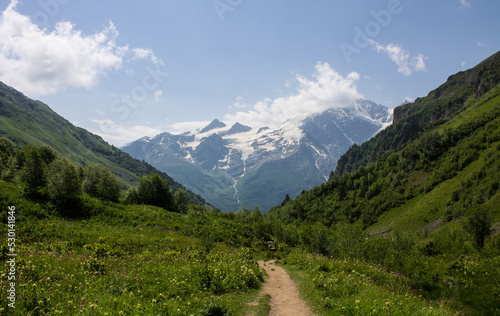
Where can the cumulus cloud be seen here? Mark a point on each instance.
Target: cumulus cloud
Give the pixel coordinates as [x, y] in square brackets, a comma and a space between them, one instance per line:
[326, 89]
[406, 64]
[40, 62]
[120, 134]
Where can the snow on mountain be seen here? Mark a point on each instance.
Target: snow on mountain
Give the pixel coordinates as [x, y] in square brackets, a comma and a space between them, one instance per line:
[237, 165]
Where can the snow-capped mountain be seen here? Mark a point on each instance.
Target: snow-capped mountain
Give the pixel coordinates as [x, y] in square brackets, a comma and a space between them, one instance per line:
[232, 166]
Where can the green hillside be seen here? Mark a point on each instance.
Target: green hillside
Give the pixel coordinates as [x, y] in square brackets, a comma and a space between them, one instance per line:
[453, 167]
[422, 198]
[440, 105]
[28, 122]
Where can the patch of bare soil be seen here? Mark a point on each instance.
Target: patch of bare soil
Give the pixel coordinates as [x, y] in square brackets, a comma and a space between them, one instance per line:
[434, 225]
[285, 298]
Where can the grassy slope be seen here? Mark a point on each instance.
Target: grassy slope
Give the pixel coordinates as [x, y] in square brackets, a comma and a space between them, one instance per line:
[437, 107]
[428, 207]
[351, 287]
[26, 121]
[127, 260]
[421, 191]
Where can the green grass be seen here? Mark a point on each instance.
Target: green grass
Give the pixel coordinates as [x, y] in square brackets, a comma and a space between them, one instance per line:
[126, 260]
[260, 308]
[424, 208]
[350, 287]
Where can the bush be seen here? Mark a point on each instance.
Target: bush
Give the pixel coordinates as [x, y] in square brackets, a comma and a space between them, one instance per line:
[63, 182]
[479, 225]
[101, 183]
[33, 171]
[152, 190]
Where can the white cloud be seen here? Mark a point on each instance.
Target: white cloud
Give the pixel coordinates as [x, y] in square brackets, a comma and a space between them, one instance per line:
[406, 64]
[40, 62]
[238, 104]
[158, 94]
[464, 3]
[408, 99]
[146, 53]
[179, 128]
[463, 64]
[120, 134]
[327, 89]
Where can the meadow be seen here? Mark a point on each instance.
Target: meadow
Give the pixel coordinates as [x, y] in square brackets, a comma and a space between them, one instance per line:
[128, 260]
[95, 251]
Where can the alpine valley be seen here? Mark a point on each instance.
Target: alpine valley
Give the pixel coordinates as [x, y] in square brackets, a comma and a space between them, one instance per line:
[233, 165]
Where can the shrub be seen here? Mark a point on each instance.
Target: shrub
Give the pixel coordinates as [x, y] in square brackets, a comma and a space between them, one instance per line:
[101, 183]
[63, 182]
[33, 171]
[152, 190]
[479, 225]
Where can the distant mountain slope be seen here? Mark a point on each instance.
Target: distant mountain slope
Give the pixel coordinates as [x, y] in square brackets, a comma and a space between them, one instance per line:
[25, 121]
[232, 166]
[440, 163]
[440, 105]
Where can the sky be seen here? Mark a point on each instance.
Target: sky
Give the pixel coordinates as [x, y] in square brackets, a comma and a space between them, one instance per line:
[127, 69]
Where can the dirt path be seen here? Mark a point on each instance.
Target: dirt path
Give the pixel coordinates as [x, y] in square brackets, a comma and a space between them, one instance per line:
[285, 298]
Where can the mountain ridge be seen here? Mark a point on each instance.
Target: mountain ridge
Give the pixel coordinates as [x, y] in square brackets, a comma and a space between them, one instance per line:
[28, 122]
[231, 164]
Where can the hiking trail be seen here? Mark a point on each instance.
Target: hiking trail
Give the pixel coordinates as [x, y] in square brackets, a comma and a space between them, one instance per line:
[285, 298]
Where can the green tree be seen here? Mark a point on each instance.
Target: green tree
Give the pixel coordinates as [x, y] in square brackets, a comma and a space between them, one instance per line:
[47, 154]
[181, 201]
[331, 175]
[63, 183]
[479, 225]
[33, 171]
[152, 190]
[101, 183]
[7, 151]
[286, 200]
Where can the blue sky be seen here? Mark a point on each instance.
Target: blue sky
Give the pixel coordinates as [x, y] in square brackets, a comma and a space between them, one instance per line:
[125, 69]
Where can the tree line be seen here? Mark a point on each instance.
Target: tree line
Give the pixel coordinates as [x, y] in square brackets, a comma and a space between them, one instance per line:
[44, 176]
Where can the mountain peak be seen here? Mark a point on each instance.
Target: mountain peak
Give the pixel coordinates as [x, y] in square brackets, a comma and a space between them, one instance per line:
[238, 128]
[213, 125]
